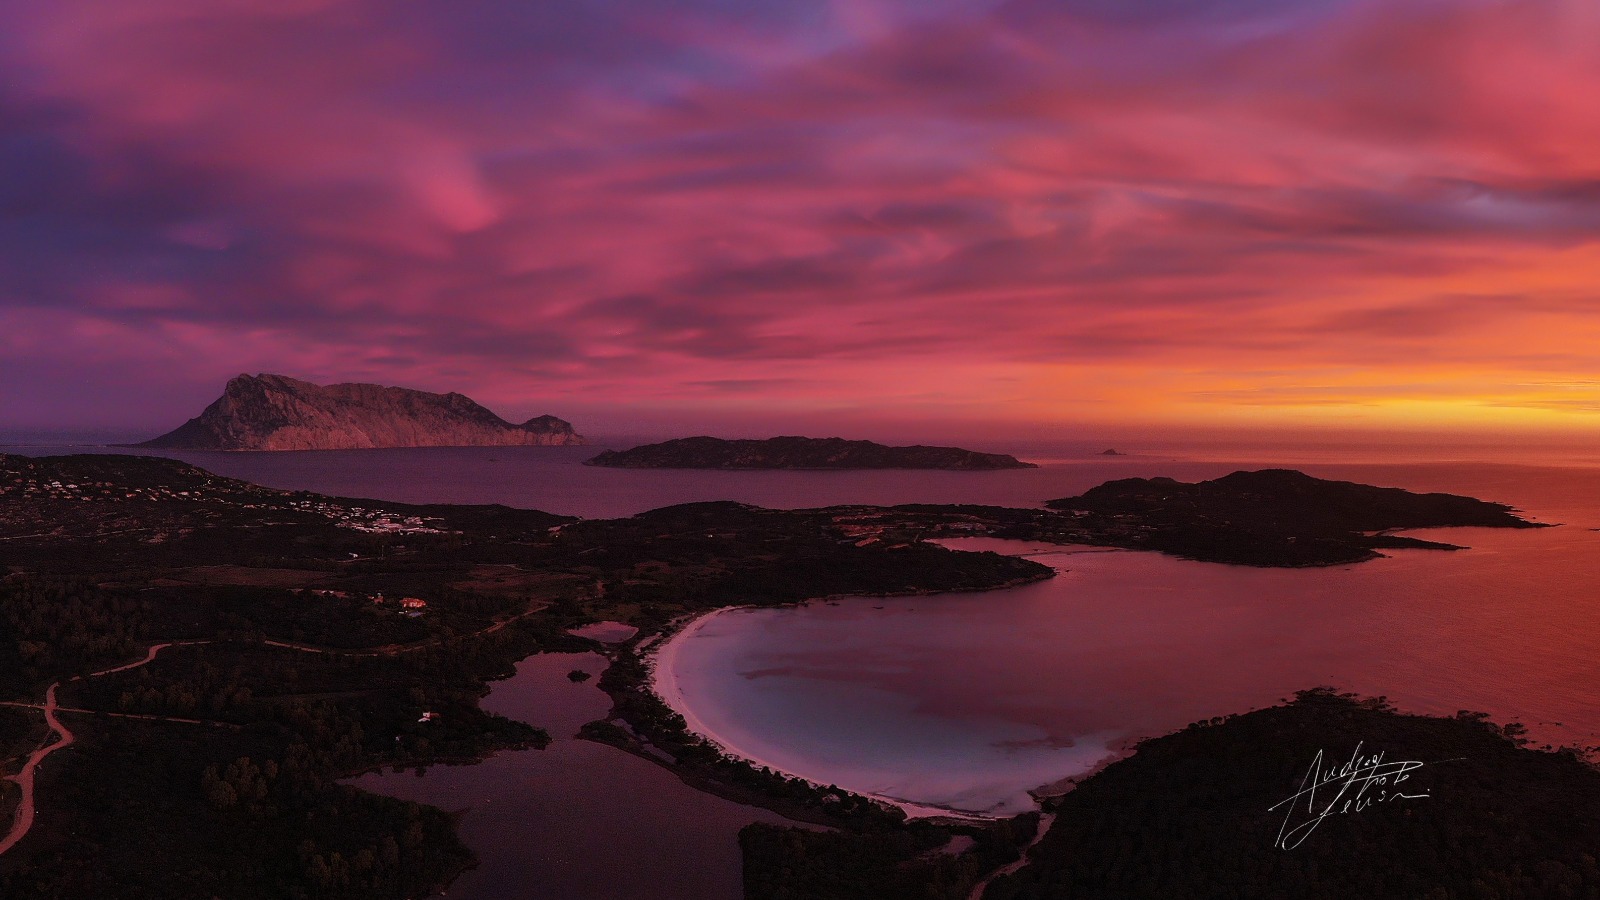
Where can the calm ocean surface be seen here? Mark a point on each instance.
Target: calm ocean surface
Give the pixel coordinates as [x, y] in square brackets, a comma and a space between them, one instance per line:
[969, 700]
[555, 480]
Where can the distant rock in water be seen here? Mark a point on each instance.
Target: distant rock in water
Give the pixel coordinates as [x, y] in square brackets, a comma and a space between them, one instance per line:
[1110, 452]
[799, 453]
[272, 412]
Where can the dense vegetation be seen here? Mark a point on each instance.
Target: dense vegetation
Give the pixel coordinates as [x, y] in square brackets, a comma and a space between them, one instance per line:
[244, 800]
[55, 627]
[1191, 814]
[153, 810]
[658, 565]
[1274, 517]
[909, 863]
[1202, 814]
[214, 770]
[317, 632]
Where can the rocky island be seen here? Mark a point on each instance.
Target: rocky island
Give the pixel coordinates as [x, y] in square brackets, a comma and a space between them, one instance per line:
[799, 453]
[274, 412]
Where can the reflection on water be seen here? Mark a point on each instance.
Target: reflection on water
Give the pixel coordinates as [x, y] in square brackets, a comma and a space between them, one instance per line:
[969, 700]
[972, 699]
[578, 820]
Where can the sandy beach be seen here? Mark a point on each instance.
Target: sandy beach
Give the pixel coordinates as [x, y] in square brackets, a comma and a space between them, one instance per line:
[661, 663]
[665, 685]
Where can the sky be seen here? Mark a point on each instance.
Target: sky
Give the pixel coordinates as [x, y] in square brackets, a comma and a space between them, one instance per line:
[857, 216]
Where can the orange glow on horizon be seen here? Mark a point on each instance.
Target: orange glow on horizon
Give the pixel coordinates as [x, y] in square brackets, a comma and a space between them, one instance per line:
[1341, 214]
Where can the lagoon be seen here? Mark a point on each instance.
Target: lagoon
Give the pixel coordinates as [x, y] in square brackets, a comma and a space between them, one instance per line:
[578, 820]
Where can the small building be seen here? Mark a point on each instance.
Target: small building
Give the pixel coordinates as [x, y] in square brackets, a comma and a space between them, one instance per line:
[428, 717]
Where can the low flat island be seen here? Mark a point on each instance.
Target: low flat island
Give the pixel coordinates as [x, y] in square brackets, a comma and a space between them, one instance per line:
[799, 453]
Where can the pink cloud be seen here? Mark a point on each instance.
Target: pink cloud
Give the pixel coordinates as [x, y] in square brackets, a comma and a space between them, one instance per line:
[820, 210]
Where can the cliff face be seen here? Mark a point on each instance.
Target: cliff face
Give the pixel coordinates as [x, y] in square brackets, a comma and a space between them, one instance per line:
[271, 412]
[798, 453]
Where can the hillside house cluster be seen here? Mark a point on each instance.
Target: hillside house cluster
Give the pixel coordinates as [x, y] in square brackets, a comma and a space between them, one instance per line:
[411, 606]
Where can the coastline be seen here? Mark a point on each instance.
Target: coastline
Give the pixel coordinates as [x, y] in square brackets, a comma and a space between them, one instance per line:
[664, 685]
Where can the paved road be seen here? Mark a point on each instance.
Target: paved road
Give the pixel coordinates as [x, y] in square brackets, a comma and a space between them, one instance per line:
[134, 665]
[60, 738]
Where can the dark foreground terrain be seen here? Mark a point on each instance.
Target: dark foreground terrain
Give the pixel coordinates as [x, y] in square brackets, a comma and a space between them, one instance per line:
[1402, 806]
[311, 638]
[211, 658]
[1205, 813]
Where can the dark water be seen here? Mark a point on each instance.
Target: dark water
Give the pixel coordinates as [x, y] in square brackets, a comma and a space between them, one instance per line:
[578, 820]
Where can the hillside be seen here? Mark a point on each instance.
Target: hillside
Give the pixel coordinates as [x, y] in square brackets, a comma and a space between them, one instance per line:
[1274, 517]
[1434, 808]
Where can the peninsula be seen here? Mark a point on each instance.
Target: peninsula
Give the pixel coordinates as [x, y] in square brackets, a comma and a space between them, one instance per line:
[1271, 517]
[1276, 517]
[274, 412]
[799, 453]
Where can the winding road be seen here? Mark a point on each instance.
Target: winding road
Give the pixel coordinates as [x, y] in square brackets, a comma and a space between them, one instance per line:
[60, 738]
[149, 657]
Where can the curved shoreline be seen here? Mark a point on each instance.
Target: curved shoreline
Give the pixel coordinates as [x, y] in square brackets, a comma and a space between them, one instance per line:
[664, 685]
